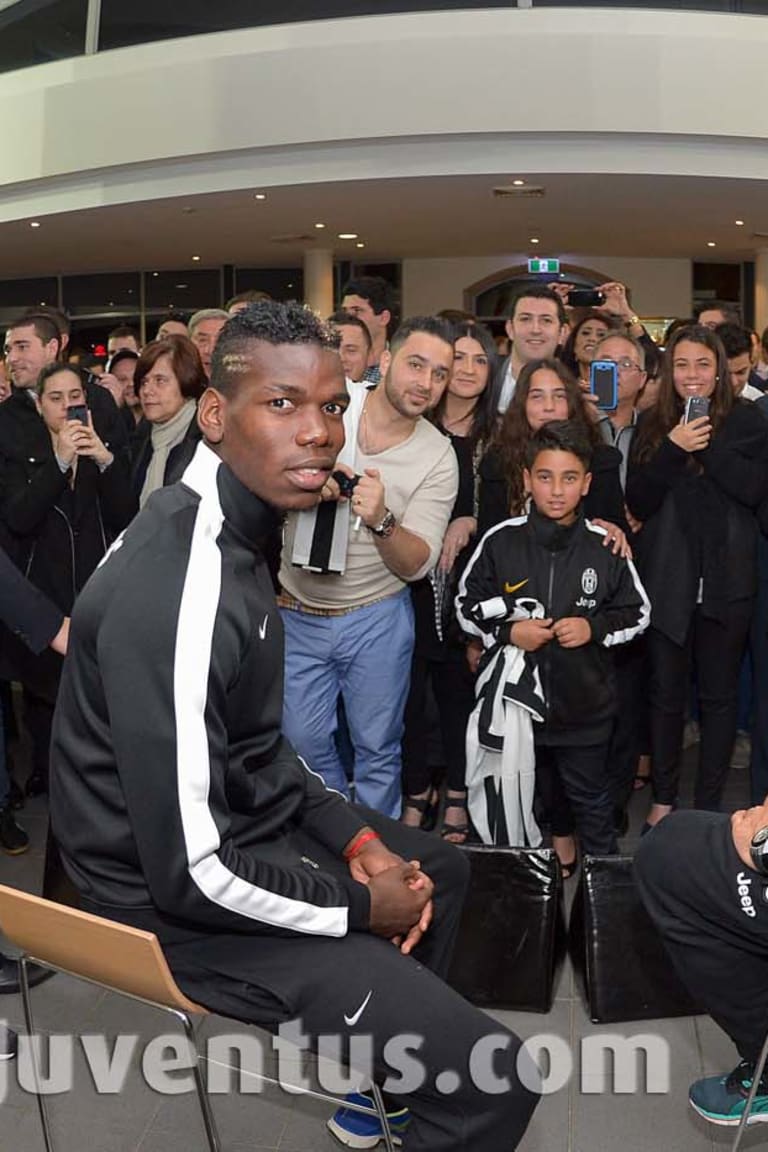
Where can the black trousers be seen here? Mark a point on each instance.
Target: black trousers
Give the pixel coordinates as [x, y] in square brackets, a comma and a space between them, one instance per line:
[268, 981]
[454, 692]
[717, 649]
[689, 876]
[573, 786]
[629, 730]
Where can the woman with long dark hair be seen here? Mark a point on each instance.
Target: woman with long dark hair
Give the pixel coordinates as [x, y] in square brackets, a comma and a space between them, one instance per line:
[466, 412]
[546, 390]
[579, 349]
[694, 484]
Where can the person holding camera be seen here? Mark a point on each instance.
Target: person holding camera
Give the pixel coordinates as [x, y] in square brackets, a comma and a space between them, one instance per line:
[346, 605]
[64, 496]
[697, 473]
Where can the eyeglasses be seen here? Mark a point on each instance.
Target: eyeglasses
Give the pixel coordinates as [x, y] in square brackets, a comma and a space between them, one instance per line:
[625, 365]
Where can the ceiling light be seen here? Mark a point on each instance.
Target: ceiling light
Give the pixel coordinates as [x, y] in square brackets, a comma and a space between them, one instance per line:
[34, 223]
[319, 225]
[195, 258]
[535, 240]
[359, 244]
[289, 285]
[518, 183]
[260, 196]
[42, 303]
[740, 223]
[155, 273]
[347, 235]
[182, 285]
[711, 244]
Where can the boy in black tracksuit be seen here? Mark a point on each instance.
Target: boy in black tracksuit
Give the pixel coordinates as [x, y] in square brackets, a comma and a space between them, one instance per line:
[591, 601]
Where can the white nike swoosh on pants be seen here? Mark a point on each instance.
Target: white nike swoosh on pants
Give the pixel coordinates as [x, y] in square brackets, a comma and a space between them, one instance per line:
[352, 1020]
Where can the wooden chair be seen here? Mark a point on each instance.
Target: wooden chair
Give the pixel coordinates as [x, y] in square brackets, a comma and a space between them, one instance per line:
[120, 959]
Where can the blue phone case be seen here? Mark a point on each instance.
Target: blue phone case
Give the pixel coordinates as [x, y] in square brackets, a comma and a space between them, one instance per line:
[604, 383]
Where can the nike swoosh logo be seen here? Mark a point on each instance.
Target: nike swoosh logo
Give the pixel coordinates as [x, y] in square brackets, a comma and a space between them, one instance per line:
[352, 1020]
[263, 627]
[514, 587]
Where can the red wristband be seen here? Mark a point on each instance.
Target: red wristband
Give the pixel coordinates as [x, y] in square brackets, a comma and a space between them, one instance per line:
[359, 842]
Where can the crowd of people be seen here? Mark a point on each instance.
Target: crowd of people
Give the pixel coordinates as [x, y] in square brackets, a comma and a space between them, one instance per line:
[475, 549]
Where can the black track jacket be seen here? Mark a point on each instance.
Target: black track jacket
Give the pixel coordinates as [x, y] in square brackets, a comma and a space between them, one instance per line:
[569, 572]
[172, 788]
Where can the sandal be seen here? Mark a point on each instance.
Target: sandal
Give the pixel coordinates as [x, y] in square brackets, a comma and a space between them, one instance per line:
[461, 831]
[426, 806]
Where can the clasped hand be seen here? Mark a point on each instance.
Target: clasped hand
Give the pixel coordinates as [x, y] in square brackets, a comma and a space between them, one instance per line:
[401, 894]
[570, 632]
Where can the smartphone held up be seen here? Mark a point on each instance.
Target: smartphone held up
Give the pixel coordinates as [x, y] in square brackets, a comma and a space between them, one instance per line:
[604, 383]
[585, 298]
[78, 412]
[695, 407]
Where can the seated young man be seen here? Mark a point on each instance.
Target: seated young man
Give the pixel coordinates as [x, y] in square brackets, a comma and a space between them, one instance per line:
[579, 600]
[179, 806]
[703, 877]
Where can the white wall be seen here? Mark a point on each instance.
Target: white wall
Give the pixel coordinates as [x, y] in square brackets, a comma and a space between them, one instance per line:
[414, 94]
[659, 287]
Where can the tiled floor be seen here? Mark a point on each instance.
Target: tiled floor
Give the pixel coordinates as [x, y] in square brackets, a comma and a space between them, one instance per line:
[581, 1117]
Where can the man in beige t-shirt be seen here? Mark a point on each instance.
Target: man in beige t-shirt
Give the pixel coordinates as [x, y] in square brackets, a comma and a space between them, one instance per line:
[351, 634]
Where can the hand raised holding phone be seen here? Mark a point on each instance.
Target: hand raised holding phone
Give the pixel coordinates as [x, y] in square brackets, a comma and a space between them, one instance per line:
[694, 436]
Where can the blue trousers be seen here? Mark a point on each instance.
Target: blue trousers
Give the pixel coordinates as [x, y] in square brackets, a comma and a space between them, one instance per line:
[365, 656]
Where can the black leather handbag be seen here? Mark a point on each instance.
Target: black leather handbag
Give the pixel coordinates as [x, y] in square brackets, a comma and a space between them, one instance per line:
[512, 932]
[619, 958]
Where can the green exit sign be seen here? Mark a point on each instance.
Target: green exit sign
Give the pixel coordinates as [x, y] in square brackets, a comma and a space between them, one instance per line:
[551, 266]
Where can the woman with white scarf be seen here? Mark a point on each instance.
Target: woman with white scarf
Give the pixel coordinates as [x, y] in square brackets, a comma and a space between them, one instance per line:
[169, 380]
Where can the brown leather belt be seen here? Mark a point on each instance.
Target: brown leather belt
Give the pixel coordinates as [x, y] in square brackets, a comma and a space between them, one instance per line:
[285, 600]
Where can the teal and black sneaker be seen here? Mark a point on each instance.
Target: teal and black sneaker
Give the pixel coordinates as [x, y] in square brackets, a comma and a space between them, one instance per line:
[361, 1130]
[721, 1099]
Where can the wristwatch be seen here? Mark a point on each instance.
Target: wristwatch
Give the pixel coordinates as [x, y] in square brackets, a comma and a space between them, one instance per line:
[758, 850]
[387, 526]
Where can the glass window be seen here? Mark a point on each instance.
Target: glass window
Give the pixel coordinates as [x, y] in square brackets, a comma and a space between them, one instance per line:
[280, 283]
[102, 293]
[18, 295]
[37, 33]
[184, 291]
[145, 20]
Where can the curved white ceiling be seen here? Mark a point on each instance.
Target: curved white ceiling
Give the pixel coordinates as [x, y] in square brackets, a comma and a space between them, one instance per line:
[453, 100]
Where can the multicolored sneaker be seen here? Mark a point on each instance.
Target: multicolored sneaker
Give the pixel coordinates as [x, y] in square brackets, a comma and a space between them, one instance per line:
[359, 1130]
[721, 1099]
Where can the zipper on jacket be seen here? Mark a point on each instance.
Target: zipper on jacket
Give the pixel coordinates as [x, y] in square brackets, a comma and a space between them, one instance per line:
[547, 660]
[65, 518]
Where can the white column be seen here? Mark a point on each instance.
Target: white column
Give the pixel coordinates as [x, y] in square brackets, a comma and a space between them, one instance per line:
[761, 289]
[318, 280]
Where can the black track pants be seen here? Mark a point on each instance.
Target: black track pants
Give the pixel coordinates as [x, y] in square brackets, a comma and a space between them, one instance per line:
[690, 877]
[319, 981]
